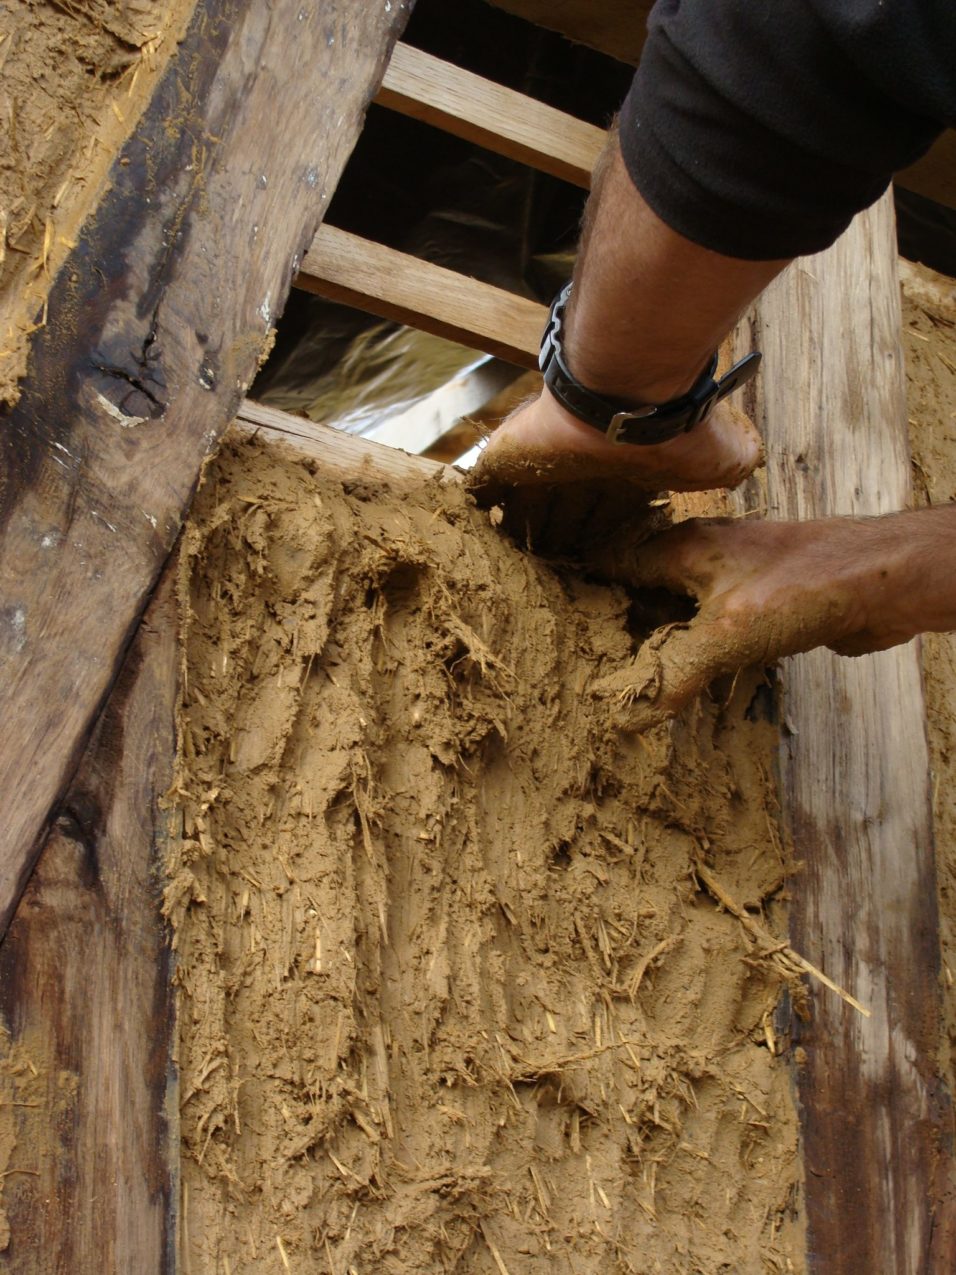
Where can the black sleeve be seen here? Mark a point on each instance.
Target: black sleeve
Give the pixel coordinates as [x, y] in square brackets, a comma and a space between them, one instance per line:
[760, 129]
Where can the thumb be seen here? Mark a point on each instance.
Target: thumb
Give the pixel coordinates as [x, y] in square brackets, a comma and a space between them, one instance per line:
[686, 557]
[677, 663]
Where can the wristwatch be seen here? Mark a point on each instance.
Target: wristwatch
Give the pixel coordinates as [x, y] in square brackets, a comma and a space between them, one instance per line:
[622, 422]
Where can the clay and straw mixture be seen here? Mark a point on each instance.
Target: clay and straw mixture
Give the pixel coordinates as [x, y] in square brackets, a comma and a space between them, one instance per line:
[74, 78]
[454, 993]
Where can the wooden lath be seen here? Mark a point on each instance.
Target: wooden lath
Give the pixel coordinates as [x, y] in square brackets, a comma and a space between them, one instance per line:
[341, 454]
[393, 285]
[498, 118]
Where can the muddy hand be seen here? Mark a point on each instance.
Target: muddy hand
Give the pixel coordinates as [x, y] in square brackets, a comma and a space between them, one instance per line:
[542, 443]
[765, 590]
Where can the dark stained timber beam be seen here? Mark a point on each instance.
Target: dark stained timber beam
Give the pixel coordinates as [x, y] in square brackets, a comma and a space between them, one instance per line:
[154, 333]
[934, 176]
[876, 1121]
[88, 1093]
[616, 27]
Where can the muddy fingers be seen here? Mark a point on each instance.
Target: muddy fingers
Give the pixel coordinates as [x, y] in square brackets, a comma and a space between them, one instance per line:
[686, 558]
[753, 623]
[676, 664]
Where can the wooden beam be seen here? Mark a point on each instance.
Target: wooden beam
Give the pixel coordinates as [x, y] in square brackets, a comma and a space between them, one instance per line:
[934, 176]
[344, 267]
[855, 784]
[88, 1105]
[498, 118]
[153, 335]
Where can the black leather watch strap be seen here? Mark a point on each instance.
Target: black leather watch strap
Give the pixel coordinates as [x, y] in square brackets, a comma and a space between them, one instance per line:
[623, 422]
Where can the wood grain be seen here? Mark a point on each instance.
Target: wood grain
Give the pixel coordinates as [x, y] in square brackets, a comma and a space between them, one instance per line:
[153, 335]
[855, 785]
[393, 285]
[498, 118]
[87, 1087]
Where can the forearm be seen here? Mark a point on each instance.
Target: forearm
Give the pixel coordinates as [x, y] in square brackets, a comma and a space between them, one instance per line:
[649, 307]
[908, 564]
[647, 311]
[758, 135]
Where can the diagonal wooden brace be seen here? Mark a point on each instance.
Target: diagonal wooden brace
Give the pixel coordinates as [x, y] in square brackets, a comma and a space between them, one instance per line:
[153, 336]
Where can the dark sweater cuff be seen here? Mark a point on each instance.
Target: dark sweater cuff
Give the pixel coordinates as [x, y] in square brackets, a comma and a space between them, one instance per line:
[724, 180]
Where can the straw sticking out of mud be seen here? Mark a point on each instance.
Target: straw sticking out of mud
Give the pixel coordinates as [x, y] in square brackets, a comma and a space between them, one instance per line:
[453, 997]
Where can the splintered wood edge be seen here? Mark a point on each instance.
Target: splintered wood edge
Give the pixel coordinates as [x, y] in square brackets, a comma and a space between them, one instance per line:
[934, 174]
[500, 119]
[342, 455]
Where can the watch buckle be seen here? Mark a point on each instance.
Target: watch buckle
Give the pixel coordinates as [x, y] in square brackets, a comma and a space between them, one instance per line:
[620, 419]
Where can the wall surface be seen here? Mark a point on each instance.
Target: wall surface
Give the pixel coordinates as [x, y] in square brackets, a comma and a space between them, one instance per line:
[452, 997]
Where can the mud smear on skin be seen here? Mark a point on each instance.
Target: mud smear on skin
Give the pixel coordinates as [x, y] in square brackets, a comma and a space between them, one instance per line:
[75, 78]
[929, 342]
[452, 998]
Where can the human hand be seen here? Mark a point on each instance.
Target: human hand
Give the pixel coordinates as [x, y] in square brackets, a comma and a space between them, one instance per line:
[542, 443]
[765, 590]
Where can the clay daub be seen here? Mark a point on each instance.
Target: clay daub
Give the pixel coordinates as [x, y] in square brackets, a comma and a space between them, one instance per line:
[452, 995]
